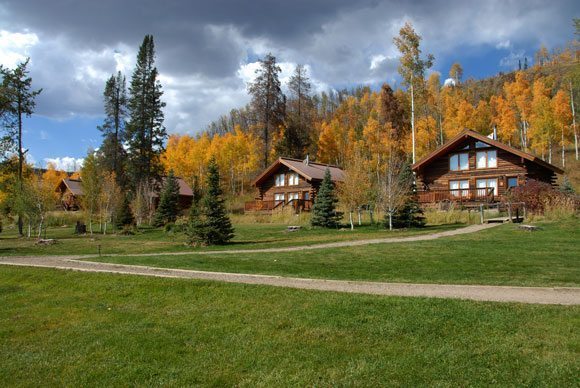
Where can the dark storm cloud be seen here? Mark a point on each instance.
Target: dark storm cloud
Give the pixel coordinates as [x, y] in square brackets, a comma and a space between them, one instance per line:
[202, 46]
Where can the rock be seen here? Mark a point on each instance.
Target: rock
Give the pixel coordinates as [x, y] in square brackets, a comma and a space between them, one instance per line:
[529, 228]
[49, 241]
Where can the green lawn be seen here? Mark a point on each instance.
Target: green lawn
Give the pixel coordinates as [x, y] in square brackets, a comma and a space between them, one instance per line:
[62, 328]
[504, 255]
[248, 236]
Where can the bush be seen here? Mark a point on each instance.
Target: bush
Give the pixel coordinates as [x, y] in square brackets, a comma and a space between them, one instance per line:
[542, 198]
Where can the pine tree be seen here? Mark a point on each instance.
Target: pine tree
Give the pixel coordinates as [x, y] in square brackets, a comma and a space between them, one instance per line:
[145, 132]
[267, 100]
[112, 154]
[324, 209]
[125, 217]
[212, 226]
[17, 100]
[168, 202]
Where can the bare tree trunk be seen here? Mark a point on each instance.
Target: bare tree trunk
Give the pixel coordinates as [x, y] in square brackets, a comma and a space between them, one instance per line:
[563, 150]
[413, 119]
[350, 219]
[574, 120]
[550, 151]
[390, 220]
[359, 217]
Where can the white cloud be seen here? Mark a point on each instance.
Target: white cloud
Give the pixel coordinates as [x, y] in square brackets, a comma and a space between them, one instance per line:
[15, 47]
[505, 44]
[65, 163]
[44, 135]
[512, 60]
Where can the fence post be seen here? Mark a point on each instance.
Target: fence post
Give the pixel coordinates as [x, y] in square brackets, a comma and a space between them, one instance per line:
[481, 212]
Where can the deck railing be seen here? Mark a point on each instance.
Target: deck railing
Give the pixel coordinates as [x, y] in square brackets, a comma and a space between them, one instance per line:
[268, 205]
[457, 195]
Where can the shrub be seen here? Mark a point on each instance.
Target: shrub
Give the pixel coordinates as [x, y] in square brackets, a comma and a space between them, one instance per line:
[541, 197]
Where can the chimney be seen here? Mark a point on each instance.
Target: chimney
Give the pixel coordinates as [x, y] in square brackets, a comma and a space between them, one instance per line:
[307, 160]
[494, 133]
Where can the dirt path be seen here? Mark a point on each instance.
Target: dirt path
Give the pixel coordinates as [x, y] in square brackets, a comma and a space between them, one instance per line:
[536, 295]
[339, 244]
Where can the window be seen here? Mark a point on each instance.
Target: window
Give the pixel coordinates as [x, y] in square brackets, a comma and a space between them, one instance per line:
[512, 182]
[480, 144]
[307, 196]
[486, 159]
[279, 198]
[280, 180]
[459, 162]
[292, 196]
[292, 179]
[484, 186]
[459, 188]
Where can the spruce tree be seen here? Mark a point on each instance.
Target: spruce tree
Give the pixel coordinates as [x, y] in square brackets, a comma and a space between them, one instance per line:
[324, 209]
[212, 226]
[168, 202]
[125, 217]
[145, 133]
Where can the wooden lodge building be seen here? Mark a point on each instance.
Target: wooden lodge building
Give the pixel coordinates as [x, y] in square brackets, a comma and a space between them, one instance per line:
[474, 168]
[290, 182]
[70, 192]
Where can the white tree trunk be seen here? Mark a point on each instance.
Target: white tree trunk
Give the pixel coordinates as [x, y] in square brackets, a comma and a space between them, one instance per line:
[413, 119]
[574, 120]
[359, 217]
[390, 220]
[350, 219]
[563, 150]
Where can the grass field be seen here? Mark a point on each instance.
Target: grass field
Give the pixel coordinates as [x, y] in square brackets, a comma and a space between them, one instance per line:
[148, 240]
[78, 329]
[504, 255]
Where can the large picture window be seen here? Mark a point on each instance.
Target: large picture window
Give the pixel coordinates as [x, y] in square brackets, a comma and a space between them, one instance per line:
[280, 180]
[486, 159]
[459, 188]
[279, 198]
[459, 162]
[484, 186]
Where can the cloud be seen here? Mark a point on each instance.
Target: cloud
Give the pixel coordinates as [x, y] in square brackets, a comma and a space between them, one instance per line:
[208, 51]
[43, 135]
[513, 60]
[65, 163]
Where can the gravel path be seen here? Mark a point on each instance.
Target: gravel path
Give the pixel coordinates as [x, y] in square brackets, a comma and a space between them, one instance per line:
[339, 244]
[536, 295]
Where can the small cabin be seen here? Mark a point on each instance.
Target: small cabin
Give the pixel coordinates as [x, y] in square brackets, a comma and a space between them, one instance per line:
[475, 168]
[290, 182]
[70, 192]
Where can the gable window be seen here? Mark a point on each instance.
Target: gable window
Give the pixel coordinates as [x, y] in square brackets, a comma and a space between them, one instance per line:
[484, 187]
[480, 144]
[486, 159]
[459, 162]
[280, 179]
[292, 179]
[459, 188]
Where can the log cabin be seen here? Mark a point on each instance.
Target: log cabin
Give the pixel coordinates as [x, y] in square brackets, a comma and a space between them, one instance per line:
[70, 192]
[473, 168]
[290, 182]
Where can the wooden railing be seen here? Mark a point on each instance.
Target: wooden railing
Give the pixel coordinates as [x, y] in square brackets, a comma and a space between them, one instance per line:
[268, 205]
[457, 195]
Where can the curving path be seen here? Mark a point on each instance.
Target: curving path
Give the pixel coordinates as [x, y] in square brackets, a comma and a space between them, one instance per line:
[338, 244]
[537, 295]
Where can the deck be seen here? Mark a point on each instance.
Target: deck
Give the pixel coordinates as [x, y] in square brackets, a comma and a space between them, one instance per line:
[268, 206]
[458, 195]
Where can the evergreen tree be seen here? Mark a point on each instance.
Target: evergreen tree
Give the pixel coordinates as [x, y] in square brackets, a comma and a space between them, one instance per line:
[410, 214]
[268, 101]
[168, 202]
[324, 209]
[17, 101]
[145, 133]
[125, 217]
[212, 225]
[112, 154]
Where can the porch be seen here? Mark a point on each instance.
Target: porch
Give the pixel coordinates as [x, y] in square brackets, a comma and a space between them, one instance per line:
[482, 195]
[268, 206]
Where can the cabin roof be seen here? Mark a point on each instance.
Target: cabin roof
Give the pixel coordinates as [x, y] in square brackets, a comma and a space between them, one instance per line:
[311, 170]
[467, 133]
[184, 189]
[74, 185]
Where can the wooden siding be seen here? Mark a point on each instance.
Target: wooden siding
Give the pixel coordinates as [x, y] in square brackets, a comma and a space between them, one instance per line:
[437, 175]
[267, 189]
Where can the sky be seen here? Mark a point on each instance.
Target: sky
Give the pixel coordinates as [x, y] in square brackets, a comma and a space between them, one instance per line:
[207, 51]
